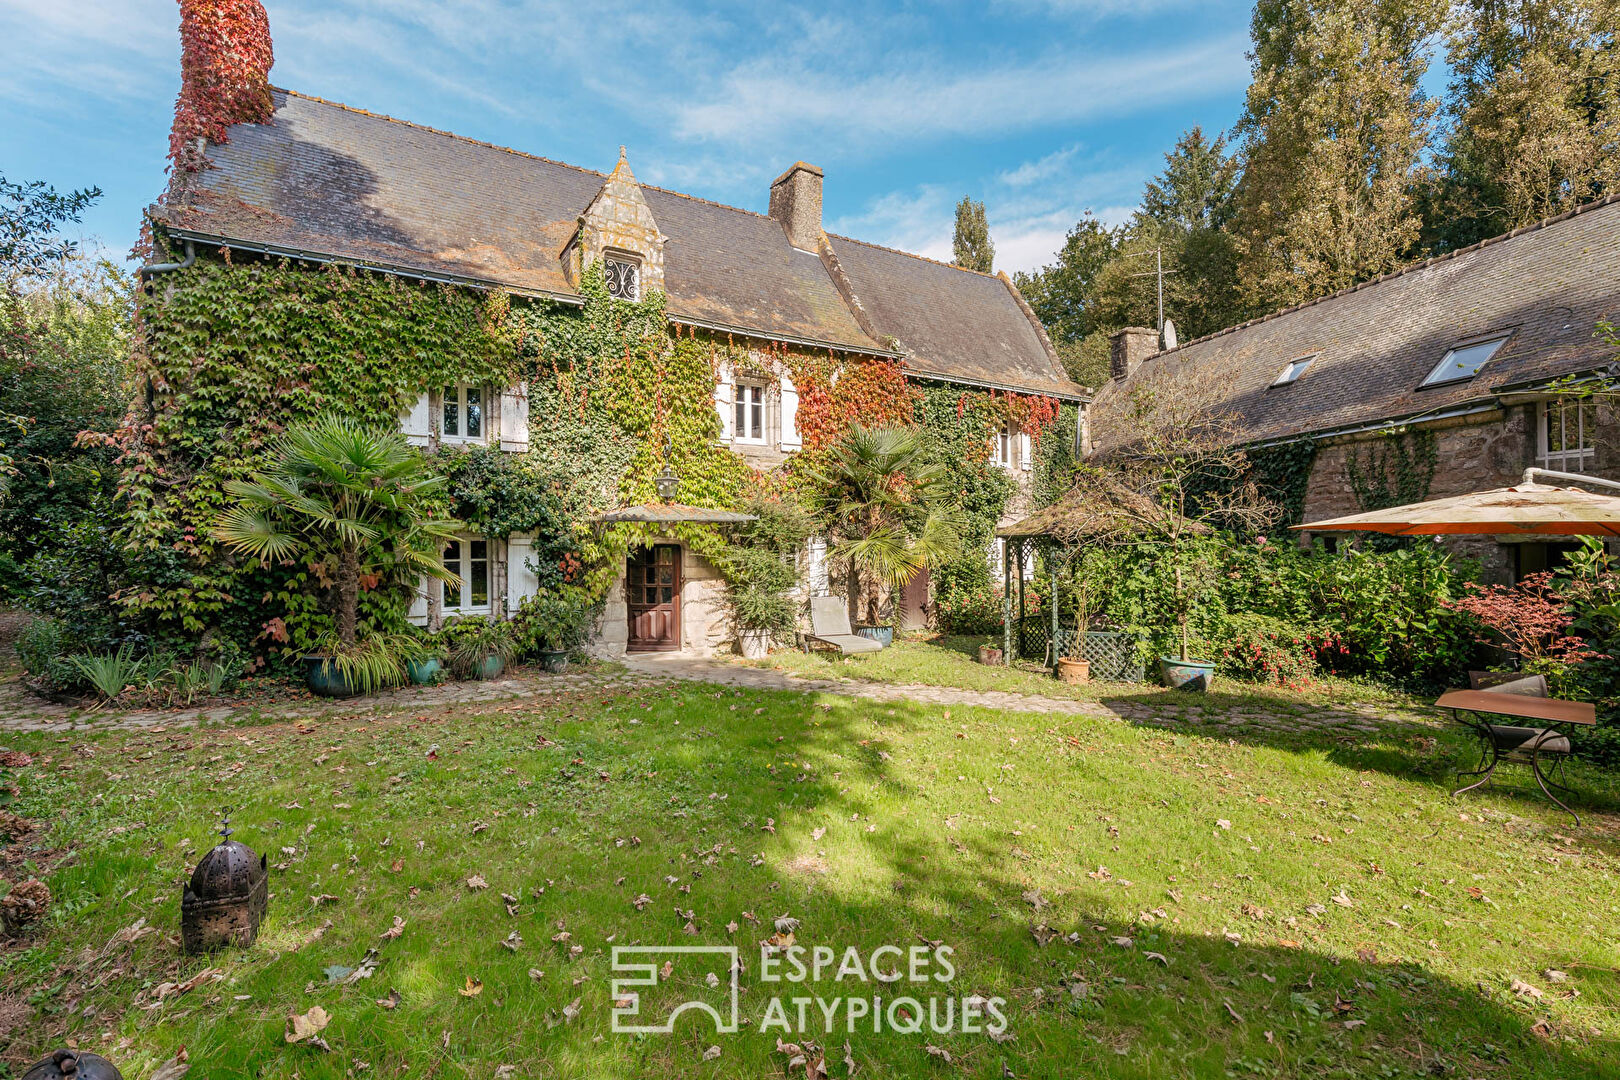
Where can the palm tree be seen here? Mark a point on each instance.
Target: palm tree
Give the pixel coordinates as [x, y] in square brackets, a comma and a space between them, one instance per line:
[884, 507]
[333, 483]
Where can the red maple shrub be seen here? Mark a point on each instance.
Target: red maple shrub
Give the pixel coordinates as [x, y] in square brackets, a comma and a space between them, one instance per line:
[1530, 619]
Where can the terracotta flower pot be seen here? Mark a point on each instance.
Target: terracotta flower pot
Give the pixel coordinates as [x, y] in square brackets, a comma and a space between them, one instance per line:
[990, 654]
[1073, 671]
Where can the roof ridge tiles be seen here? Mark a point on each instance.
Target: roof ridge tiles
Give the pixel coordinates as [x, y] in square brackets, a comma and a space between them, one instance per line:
[1422, 264]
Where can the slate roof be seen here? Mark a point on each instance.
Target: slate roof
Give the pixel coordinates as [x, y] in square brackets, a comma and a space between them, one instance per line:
[1548, 284]
[339, 182]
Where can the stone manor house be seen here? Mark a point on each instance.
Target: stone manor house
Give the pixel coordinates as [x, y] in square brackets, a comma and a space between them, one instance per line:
[1471, 354]
[325, 182]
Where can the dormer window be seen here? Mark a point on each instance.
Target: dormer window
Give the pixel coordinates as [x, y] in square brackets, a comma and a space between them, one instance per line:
[1463, 362]
[1293, 370]
[623, 276]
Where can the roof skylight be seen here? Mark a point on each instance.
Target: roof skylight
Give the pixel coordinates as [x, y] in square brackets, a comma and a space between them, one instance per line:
[1463, 362]
[1294, 370]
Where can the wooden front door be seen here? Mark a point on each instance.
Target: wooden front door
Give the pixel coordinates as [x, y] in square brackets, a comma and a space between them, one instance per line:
[652, 590]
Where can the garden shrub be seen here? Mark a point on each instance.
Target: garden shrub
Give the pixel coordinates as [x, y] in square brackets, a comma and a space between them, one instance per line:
[1265, 649]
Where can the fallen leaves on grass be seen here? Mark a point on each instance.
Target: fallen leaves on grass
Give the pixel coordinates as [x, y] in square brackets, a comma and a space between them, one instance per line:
[939, 1052]
[514, 941]
[174, 1068]
[473, 988]
[306, 1027]
[394, 931]
[391, 1001]
[477, 882]
[1524, 989]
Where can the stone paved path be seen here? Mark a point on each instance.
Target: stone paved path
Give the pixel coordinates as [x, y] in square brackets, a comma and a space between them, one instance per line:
[23, 711]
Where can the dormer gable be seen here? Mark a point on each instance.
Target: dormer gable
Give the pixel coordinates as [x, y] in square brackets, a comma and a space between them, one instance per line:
[618, 228]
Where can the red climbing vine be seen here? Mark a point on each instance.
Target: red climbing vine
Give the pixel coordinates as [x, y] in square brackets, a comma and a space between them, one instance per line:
[225, 58]
[834, 395]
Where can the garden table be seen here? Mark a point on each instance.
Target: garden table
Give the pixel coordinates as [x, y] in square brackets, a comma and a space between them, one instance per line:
[1524, 745]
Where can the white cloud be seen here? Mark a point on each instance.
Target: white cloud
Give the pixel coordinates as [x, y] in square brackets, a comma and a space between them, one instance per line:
[770, 99]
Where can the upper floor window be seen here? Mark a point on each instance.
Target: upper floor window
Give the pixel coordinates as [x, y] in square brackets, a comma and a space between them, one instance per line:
[467, 558]
[1001, 446]
[749, 411]
[464, 413]
[1464, 361]
[1565, 443]
[623, 277]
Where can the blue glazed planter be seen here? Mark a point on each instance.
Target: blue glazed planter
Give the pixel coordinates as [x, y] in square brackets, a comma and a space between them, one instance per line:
[1186, 674]
[422, 672]
[883, 635]
[491, 668]
[554, 662]
[324, 679]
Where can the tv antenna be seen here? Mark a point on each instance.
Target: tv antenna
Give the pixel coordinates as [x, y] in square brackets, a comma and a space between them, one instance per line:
[1158, 271]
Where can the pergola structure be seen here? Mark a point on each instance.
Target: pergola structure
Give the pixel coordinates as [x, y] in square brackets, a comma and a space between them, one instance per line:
[1098, 511]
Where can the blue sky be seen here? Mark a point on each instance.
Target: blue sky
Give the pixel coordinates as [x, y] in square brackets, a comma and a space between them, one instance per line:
[1042, 108]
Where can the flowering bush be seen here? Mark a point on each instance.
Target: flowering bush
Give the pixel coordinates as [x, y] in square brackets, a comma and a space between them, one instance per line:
[1263, 649]
[972, 609]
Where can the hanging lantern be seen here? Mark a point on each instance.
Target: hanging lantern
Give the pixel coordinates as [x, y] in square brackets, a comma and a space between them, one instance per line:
[73, 1065]
[667, 484]
[226, 899]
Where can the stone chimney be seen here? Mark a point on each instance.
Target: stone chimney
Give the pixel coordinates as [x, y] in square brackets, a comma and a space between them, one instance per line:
[1127, 349]
[225, 58]
[796, 203]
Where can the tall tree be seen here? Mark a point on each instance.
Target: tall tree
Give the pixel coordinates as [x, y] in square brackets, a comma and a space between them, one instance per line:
[971, 243]
[1063, 297]
[1534, 114]
[1195, 189]
[1334, 131]
[30, 215]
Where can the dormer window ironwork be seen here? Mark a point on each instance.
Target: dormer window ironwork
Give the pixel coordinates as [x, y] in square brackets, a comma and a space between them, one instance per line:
[623, 277]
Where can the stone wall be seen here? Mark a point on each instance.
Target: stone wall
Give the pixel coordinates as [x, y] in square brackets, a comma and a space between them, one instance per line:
[1473, 453]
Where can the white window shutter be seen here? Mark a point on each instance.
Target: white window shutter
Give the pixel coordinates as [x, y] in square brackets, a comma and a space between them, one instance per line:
[418, 613]
[816, 567]
[417, 424]
[515, 419]
[520, 579]
[1024, 458]
[723, 400]
[790, 415]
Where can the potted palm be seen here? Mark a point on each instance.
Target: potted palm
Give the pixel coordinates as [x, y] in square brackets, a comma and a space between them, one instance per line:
[356, 497]
[886, 511]
[552, 624]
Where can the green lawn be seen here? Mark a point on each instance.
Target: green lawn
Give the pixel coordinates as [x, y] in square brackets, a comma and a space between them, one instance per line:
[1184, 885]
[945, 660]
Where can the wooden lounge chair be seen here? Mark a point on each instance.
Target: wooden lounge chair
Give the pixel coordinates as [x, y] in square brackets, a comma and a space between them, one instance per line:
[829, 625]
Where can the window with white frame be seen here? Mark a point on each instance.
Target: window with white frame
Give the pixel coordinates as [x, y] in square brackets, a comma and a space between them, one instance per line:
[748, 416]
[1566, 442]
[1463, 362]
[623, 276]
[465, 417]
[1001, 446]
[468, 558]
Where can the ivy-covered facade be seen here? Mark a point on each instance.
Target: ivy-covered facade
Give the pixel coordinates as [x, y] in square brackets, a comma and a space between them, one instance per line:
[553, 339]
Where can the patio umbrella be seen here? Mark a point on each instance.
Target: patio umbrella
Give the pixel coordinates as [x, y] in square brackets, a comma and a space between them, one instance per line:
[1525, 509]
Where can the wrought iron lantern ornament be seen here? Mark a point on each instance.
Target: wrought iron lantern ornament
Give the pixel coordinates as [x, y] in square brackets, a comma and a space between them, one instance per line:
[667, 484]
[226, 899]
[73, 1065]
